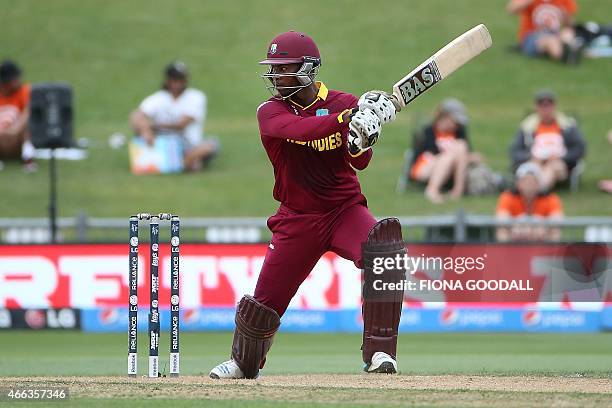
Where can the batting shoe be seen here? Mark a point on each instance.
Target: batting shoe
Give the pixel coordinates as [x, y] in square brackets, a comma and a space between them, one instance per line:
[381, 363]
[226, 370]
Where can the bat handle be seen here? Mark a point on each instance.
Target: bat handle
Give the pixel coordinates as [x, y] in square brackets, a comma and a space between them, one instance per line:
[396, 102]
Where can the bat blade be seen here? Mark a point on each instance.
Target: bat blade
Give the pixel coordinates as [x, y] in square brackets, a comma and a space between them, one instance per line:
[443, 63]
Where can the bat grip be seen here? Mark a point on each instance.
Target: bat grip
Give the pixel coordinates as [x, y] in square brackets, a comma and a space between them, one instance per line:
[396, 103]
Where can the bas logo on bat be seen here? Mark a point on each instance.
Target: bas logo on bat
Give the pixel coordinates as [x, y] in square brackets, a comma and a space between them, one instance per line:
[420, 82]
[440, 65]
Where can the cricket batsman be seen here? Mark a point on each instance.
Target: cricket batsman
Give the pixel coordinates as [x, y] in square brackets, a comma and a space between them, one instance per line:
[316, 138]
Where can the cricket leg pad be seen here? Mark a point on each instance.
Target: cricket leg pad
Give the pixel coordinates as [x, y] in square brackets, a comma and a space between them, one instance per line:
[256, 325]
[382, 308]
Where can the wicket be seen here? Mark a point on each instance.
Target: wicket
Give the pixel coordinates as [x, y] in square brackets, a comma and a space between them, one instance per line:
[154, 320]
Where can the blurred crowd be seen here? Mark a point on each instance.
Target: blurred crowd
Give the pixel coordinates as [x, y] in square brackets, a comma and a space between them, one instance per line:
[168, 125]
[547, 151]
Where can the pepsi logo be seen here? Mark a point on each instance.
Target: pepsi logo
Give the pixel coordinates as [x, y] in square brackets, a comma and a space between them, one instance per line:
[531, 317]
[449, 317]
[109, 316]
[191, 315]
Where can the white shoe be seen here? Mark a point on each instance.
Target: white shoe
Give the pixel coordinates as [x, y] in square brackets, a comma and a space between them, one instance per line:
[381, 363]
[227, 369]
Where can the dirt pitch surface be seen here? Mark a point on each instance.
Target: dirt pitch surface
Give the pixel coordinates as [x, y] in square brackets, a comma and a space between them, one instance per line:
[345, 389]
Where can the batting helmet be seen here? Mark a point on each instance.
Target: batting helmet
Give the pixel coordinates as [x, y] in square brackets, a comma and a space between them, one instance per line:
[291, 47]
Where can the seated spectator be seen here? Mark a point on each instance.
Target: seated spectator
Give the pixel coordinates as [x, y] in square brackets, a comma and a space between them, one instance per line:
[444, 153]
[549, 139]
[546, 29]
[528, 199]
[14, 115]
[176, 109]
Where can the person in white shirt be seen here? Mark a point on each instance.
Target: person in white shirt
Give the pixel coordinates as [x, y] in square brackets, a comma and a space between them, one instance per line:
[176, 109]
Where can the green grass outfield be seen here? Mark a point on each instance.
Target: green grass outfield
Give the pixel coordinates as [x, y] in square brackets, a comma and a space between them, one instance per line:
[473, 357]
[113, 53]
[75, 353]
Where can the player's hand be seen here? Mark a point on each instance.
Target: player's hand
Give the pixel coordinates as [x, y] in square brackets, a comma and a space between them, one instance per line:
[364, 130]
[380, 103]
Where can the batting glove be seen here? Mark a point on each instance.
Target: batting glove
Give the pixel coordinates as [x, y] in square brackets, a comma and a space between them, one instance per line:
[380, 103]
[364, 129]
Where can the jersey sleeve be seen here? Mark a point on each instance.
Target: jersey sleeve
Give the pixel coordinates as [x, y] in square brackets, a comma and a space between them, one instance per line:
[360, 161]
[195, 105]
[277, 122]
[150, 105]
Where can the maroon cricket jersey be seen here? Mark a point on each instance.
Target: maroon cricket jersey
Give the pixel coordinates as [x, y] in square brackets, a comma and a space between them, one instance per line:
[307, 146]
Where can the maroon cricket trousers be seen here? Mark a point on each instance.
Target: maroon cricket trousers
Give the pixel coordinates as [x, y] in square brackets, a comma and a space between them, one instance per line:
[298, 242]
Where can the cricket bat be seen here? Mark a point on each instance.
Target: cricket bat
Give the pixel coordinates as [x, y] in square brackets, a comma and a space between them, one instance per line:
[440, 65]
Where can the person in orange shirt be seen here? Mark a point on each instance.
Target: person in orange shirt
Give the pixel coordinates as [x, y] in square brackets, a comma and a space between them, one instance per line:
[546, 28]
[549, 139]
[443, 152]
[528, 199]
[14, 116]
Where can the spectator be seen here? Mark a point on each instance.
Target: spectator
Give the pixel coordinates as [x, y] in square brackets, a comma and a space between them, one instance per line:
[442, 152]
[546, 29]
[176, 109]
[14, 114]
[528, 199]
[549, 139]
